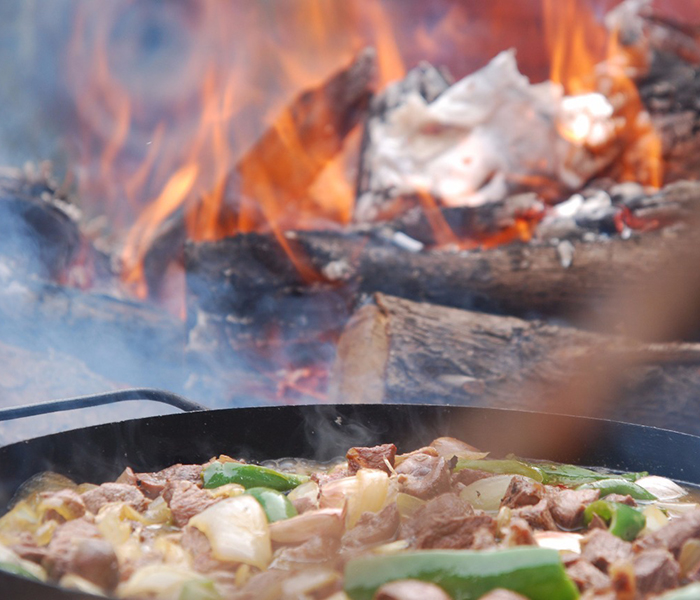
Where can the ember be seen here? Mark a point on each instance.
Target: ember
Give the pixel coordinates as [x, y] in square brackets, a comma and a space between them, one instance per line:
[288, 205]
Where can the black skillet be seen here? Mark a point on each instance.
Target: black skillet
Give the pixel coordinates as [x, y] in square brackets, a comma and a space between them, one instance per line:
[100, 453]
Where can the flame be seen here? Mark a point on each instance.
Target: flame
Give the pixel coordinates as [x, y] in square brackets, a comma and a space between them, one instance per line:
[586, 59]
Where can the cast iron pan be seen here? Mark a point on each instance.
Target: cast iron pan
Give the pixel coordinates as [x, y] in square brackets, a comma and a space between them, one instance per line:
[98, 454]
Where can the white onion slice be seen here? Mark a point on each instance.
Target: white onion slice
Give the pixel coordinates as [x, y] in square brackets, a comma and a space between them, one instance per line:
[237, 530]
[371, 495]
[160, 582]
[676, 509]
[447, 447]
[312, 523]
[656, 519]
[664, 489]
[487, 493]
[559, 540]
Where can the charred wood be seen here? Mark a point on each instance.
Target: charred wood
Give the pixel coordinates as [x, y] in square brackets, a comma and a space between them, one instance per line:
[395, 350]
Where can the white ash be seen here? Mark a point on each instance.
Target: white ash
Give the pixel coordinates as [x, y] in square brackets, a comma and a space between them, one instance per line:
[483, 137]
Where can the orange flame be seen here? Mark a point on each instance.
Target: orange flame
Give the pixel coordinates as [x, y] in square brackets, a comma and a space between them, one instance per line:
[586, 58]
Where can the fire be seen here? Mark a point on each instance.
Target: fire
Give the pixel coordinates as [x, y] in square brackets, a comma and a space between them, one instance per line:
[592, 65]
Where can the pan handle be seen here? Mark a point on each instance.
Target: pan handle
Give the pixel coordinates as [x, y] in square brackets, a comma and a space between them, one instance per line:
[43, 408]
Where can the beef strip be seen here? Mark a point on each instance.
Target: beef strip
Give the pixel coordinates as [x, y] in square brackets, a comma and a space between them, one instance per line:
[448, 522]
[371, 458]
[620, 499]
[76, 547]
[518, 533]
[586, 576]
[567, 506]
[186, 500]
[523, 491]
[152, 484]
[601, 548]
[673, 535]
[27, 548]
[468, 476]
[655, 571]
[373, 529]
[410, 589]
[317, 550]
[424, 476]
[97, 497]
[537, 516]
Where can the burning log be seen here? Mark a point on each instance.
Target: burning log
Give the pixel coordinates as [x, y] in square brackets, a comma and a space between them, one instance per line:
[270, 183]
[395, 350]
[567, 265]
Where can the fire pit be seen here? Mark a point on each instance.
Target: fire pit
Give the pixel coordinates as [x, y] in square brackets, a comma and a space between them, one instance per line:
[370, 203]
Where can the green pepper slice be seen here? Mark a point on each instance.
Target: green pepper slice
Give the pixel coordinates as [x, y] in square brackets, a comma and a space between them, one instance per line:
[571, 475]
[536, 573]
[199, 590]
[17, 570]
[276, 505]
[619, 486]
[249, 476]
[624, 521]
[501, 467]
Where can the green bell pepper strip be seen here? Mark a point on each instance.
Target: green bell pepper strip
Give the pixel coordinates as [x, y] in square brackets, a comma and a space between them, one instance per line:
[249, 476]
[689, 592]
[504, 467]
[624, 521]
[276, 505]
[618, 486]
[571, 475]
[536, 573]
[17, 570]
[199, 590]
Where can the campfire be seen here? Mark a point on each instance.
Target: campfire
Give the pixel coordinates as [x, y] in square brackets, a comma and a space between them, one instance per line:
[368, 203]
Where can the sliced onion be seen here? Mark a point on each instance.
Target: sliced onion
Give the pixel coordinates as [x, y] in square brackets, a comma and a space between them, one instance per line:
[447, 447]
[303, 583]
[655, 517]
[689, 558]
[487, 493]
[308, 490]
[228, 490]
[664, 489]
[113, 524]
[334, 494]
[312, 523]
[676, 509]
[559, 540]
[371, 495]
[237, 530]
[407, 504]
[159, 582]
[75, 582]
[391, 547]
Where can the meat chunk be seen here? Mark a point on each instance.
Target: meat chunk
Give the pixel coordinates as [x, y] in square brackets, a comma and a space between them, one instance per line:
[424, 476]
[567, 506]
[114, 492]
[26, 547]
[410, 589]
[468, 476]
[523, 491]
[197, 544]
[537, 516]
[655, 571]
[63, 505]
[519, 533]
[317, 550]
[448, 522]
[373, 529]
[601, 548]
[620, 499]
[376, 457]
[186, 500]
[586, 576]
[673, 535]
[76, 547]
[152, 484]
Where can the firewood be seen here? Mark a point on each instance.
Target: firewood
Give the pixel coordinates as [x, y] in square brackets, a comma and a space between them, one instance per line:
[395, 350]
